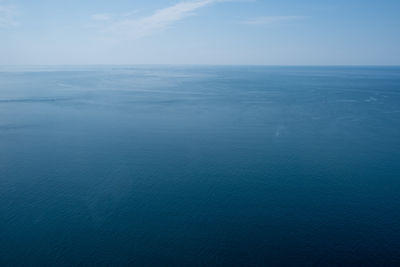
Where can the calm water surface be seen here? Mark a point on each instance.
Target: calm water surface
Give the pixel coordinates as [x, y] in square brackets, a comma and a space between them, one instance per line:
[182, 165]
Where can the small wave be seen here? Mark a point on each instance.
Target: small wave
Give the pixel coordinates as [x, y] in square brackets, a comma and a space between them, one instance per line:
[35, 100]
[15, 127]
[347, 100]
[371, 99]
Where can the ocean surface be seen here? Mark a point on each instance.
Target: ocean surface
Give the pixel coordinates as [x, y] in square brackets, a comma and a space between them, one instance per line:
[190, 165]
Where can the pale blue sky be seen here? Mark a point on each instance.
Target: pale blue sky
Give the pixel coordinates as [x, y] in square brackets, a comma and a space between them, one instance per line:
[268, 32]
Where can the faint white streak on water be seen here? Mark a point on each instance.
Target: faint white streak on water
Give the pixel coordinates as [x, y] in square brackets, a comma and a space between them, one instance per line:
[371, 99]
[279, 130]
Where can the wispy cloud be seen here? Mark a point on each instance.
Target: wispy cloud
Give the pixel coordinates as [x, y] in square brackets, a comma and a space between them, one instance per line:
[161, 19]
[7, 16]
[268, 20]
[101, 17]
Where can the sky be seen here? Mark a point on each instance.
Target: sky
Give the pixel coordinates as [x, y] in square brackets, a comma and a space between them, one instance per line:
[215, 32]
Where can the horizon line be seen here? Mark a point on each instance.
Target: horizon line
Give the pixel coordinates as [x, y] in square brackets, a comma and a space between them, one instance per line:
[201, 64]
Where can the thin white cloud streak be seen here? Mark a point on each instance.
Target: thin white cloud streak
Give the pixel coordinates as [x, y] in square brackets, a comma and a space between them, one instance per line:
[158, 21]
[101, 17]
[268, 20]
[7, 16]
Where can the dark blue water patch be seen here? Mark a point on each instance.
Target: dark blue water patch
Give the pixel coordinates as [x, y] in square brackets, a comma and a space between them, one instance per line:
[179, 165]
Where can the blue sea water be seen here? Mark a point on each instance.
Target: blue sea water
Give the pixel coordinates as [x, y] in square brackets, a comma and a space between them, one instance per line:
[186, 165]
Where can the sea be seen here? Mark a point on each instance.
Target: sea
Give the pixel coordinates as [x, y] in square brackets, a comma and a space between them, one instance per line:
[199, 166]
